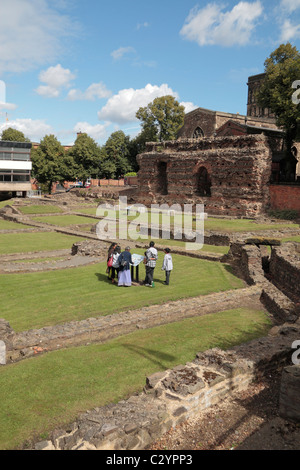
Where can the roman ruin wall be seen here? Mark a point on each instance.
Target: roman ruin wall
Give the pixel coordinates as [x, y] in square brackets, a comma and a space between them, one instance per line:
[229, 175]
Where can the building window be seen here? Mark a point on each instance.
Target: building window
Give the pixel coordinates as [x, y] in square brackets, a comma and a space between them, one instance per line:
[203, 182]
[198, 133]
[15, 176]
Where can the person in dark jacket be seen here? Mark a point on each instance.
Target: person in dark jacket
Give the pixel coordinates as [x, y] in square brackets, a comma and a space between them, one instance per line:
[124, 268]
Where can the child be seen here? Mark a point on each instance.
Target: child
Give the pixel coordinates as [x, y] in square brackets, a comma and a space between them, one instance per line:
[167, 265]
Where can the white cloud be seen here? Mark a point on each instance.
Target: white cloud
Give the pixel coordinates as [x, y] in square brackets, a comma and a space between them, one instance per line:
[289, 31]
[210, 26]
[31, 33]
[119, 53]
[7, 106]
[122, 107]
[189, 106]
[290, 5]
[97, 132]
[35, 130]
[56, 78]
[94, 91]
[142, 25]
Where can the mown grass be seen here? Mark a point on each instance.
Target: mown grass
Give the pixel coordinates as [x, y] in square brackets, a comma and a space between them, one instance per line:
[34, 241]
[211, 223]
[65, 220]
[40, 209]
[8, 225]
[291, 239]
[35, 300]
[49, 391]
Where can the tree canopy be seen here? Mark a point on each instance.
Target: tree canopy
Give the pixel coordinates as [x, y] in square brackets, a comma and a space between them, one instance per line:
[13, 135]
[161, 119]
[87, 156]
[48, 162]
[282, 69]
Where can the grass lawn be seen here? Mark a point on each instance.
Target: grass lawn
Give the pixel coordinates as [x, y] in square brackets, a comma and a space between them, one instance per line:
[35, 300]
[40, 209]
[181, 244]
[242, 225]
[48, 392]
[65, 220]
[8, 202]
[34, 241]
[291, 239]
[8, 225]
[216, 224]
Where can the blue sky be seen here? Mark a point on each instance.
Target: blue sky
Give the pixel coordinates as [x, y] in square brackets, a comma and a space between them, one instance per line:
[68, 66]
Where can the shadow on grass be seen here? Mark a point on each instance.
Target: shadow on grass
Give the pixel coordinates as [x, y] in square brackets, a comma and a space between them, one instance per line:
[104, 278]
[156, 357]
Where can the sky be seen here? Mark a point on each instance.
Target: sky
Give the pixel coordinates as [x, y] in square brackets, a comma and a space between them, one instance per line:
[68, 66]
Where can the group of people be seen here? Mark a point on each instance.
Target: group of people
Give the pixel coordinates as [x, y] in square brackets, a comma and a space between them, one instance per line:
[119, 262]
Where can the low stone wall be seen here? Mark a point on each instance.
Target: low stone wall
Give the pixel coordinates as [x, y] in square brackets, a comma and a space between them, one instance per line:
[247, 262]
[285, 269]
[173, 396]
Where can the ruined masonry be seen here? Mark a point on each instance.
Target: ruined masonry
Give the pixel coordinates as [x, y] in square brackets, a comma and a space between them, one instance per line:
[229, 175]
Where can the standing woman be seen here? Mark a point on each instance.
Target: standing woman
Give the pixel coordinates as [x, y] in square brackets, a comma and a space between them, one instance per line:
[115, 265]
[110, 259]
[124, 266]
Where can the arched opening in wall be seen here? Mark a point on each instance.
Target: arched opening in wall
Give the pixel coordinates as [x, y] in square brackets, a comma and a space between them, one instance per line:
[162, 183]
[198, 133]
[203, 182]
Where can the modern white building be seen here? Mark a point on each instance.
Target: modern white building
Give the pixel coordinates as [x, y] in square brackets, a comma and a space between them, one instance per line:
[15, 167]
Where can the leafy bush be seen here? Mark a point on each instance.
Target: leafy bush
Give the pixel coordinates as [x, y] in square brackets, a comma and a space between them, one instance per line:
[286, 214]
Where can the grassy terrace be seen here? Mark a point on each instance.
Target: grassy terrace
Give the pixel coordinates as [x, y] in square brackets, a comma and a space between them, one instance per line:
[46, 392]
[34, 242]
[53, 297]
[8, 225]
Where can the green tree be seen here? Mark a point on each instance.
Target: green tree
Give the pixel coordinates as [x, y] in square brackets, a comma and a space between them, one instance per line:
[13, 135]
[161, 119]
[48, 162]
[282, 69]
[86, 154]
[117, 152]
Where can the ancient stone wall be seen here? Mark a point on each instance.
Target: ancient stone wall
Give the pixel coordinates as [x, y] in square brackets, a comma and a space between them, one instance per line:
[285, 269]
[229, 175]
[285, 197]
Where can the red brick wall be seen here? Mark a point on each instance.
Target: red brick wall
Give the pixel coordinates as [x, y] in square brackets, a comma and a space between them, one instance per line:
[285, 197]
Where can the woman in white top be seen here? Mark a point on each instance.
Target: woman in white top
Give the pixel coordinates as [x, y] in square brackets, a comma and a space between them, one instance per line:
[115, 266]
